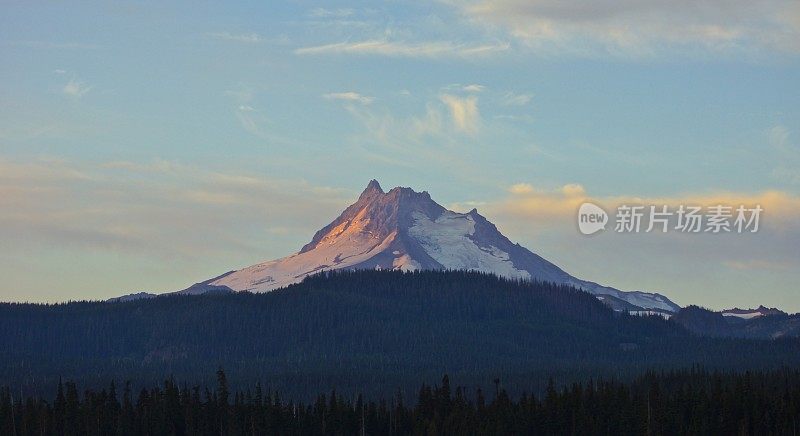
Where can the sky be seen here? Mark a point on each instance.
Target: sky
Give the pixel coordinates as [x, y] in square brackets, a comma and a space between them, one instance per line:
[150, 145]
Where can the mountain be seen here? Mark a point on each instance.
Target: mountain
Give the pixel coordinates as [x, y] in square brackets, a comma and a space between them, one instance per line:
[761, 323]
[752, 313]
[132, 297]
[204, 287]
[406, 230]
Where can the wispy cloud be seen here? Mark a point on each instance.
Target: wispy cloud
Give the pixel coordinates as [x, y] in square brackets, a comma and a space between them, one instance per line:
[152, 208]
[464, 112]
[640, 27]
[349, 96]
[243, 94]
[380, 47]
[156, 166]
[75, 89]
[473, 88]
[250, 38]
[410, 141]
[778, 136]
[521, 188]
[529, 202]
[331, 13]
[513, 99]
[46, 170]
[252, 120]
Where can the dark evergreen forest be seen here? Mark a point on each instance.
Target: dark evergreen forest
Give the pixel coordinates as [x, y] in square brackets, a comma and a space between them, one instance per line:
[368, 332]
[676, 403]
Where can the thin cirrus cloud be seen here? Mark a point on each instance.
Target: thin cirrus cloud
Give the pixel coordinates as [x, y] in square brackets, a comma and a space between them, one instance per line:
[641, 27]
[249, 38]
[350, 97]
[252, 121]
[474, 88]
[778, 136]
[156, 208]
[331, 13]
[382, 47]
[514, 99]
[75, 89]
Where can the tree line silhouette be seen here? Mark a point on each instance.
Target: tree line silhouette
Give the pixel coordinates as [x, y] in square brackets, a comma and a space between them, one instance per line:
[680, 402]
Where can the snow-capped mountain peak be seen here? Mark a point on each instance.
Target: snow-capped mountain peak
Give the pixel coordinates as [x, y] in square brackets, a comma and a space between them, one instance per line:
[407, 230]
[752, 313]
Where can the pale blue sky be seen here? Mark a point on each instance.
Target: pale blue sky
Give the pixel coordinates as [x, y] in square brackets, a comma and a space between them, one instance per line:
[150, 145]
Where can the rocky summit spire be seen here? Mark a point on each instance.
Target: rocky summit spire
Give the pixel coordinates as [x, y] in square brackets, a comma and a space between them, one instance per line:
[372, 188]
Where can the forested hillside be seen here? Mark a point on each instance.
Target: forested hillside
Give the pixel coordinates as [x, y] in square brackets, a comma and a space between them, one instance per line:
[369, 331]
